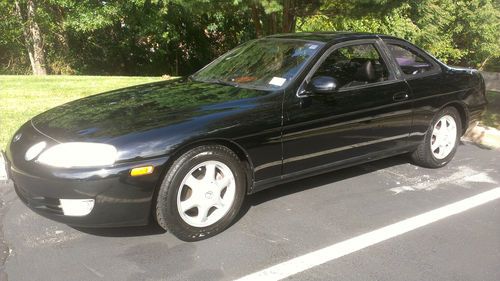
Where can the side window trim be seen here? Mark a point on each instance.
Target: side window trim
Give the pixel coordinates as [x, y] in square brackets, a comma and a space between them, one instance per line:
[436, 68]
[393, 77]
[391, 62]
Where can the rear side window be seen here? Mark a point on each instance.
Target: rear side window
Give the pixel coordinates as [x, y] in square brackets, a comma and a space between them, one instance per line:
[408, 60]
[354, 65]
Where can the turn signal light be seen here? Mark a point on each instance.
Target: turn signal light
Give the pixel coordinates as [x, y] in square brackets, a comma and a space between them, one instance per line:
[140, 171]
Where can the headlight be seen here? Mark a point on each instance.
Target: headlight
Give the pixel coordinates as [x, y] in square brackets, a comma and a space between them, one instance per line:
[78, 154]
[33, 151]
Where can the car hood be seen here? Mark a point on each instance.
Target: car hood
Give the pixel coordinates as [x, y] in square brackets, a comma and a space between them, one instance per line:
[109, 116]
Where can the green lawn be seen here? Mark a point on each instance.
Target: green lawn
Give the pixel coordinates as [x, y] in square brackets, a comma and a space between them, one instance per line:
[22, 97]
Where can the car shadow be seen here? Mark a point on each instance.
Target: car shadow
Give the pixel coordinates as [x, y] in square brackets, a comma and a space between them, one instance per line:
[262, 196]
[130, 231]
[318, 181]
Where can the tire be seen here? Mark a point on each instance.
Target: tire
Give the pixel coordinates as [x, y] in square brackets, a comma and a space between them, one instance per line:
[429, 154]
[212, 180]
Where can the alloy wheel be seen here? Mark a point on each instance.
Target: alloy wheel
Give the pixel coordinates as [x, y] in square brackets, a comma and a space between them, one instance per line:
[206, 194]
[444, 136]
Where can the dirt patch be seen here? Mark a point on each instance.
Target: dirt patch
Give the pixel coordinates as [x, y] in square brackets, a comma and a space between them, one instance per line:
[486, 137]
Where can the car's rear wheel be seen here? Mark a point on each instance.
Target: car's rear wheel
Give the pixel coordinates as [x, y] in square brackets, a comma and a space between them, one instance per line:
[201, 193]
[441, 140]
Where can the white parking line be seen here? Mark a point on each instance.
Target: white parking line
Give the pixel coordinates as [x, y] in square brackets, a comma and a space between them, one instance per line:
[332, 252]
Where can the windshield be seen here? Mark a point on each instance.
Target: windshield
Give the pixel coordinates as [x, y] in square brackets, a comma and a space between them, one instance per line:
[267, 64]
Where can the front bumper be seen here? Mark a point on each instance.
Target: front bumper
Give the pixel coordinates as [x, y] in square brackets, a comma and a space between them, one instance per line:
[118, 198]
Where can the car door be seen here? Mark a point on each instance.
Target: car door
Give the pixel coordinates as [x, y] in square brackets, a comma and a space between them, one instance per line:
[424, 76]
[369, 115]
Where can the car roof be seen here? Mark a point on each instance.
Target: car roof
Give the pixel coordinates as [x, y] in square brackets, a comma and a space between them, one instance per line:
[330, 37]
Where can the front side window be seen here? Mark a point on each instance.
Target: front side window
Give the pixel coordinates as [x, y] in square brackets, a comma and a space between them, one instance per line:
[263, 64]
[410, 62]
[354, 66]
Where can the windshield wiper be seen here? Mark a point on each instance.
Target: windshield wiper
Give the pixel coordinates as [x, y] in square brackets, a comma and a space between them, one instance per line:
[216, 81]
[223, 82]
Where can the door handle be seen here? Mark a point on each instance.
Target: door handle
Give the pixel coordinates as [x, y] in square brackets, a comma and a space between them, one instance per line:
[401, 96]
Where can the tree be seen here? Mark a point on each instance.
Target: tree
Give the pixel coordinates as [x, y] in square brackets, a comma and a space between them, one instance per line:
[177, 37]
[279, 16]
[475, 31]
[26, 11]
[459, 32]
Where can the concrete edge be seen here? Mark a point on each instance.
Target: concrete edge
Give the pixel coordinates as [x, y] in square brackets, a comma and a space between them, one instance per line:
[484, 136]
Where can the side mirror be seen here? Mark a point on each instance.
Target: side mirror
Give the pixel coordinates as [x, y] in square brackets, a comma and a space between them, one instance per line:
[322, 85]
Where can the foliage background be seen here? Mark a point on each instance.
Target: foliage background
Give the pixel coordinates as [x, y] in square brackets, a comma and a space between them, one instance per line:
[175, 37]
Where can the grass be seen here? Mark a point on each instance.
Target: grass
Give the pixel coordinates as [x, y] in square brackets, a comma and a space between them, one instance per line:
[22, 97]
[491, 117]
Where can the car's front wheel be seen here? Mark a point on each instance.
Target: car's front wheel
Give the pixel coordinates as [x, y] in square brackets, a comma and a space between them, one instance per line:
[201, 193]
[441, 140]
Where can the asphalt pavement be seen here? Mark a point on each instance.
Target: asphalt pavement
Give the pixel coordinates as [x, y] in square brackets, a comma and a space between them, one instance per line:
[284, 223]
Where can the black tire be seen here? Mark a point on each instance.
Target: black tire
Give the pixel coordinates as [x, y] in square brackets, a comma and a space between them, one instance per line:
[423, 155]
[167, 214]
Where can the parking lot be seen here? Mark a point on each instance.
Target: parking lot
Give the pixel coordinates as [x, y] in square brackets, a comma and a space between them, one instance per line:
[284, 223]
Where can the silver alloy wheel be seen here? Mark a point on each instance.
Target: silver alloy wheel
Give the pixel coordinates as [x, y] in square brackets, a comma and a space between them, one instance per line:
[444, 136]
[206, 194]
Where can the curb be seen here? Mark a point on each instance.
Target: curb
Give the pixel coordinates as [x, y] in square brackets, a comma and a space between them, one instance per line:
[3, 170]
[485, 136]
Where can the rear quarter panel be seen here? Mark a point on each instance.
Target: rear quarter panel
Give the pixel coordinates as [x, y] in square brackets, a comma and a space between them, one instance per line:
[460, 88]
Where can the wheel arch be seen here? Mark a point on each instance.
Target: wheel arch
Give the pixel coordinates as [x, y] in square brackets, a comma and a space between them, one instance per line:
[232, 145]
[177, 152]
[462, 111]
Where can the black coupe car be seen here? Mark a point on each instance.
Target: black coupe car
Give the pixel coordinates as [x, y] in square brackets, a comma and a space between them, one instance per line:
[186, 152]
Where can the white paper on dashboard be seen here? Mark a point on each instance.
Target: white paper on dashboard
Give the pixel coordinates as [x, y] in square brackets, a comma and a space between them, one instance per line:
[277, 81]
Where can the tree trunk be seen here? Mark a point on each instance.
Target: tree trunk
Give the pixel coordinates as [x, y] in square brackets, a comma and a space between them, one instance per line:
[32, 37]
[61, 35]
[273, 23]
[289, 16]
[256, 19]
[483, 64]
